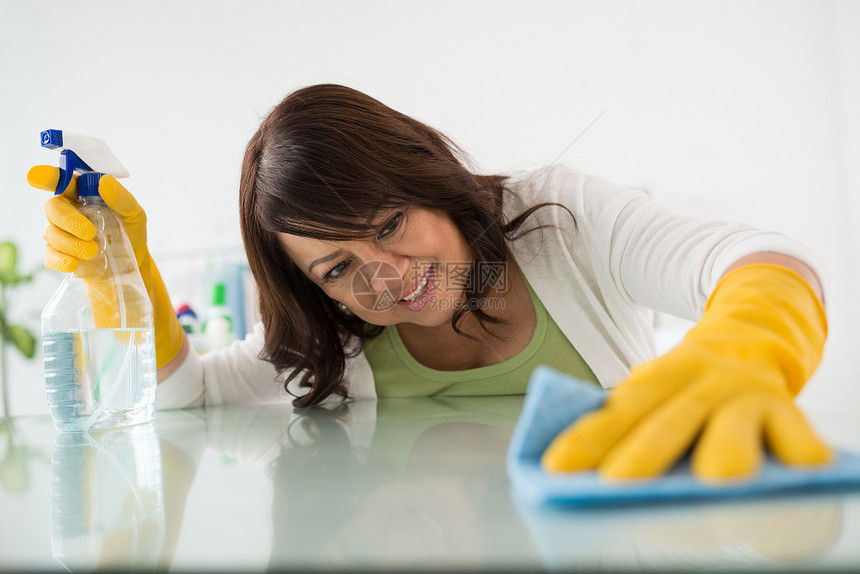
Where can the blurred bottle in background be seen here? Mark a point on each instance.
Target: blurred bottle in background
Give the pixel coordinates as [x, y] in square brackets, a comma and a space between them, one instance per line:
[218, 327]
[211, 284]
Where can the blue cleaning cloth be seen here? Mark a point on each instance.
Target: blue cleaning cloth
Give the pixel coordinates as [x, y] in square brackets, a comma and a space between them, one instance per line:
[554, 401]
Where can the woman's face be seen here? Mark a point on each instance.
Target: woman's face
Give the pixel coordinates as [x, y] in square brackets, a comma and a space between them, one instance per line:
[413, 270]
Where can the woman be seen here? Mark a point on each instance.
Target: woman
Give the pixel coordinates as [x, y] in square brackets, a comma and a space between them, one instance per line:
[385, 268]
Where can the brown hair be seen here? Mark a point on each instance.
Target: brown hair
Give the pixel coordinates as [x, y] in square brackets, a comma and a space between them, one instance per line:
[323, 164]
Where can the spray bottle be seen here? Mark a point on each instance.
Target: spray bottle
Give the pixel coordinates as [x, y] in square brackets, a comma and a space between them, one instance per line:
[97, 328]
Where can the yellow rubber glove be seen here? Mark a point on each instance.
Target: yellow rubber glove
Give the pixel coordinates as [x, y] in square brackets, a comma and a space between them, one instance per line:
[70, 242]
[730, 384]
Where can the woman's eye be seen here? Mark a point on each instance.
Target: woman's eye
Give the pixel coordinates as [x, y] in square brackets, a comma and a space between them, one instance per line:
[337, 270]
[390, 226]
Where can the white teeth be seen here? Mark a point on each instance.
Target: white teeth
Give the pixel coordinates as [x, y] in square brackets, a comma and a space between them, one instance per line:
[419, 289]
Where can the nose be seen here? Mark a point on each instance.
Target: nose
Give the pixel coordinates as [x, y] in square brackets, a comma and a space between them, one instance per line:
[385, 270]
[381, 276]
[389, 274]
[380, 280]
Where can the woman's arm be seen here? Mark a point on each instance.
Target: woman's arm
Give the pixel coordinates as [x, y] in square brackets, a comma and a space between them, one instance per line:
[728, 386]
[174, 363]
[771, 258]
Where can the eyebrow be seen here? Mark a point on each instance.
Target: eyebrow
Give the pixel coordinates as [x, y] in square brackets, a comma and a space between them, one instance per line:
[328, 257]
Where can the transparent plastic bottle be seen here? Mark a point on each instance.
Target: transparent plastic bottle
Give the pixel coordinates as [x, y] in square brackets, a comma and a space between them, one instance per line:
[97, 332]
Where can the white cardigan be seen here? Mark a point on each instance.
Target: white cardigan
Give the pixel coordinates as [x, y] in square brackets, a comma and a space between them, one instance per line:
[599, 275]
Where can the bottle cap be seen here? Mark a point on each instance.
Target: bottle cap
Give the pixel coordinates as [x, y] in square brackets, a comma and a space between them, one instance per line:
[185, 310]
[88, 184]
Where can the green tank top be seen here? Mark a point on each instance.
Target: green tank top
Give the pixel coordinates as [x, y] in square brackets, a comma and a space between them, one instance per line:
[397, 374]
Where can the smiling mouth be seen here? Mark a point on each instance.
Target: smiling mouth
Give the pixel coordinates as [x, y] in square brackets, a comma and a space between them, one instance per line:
[419, 288]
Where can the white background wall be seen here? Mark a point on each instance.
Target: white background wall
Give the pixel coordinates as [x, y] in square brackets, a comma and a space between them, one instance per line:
[736, 110]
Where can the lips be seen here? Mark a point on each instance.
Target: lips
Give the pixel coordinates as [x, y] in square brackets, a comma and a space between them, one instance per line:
[422, 292]
[417, 288]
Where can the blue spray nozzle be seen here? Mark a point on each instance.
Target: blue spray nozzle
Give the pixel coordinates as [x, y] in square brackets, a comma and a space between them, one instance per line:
[83, 155]
[69, 163]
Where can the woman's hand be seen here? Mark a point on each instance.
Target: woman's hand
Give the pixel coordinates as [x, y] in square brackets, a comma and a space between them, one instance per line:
[730, 385]
[69, 235]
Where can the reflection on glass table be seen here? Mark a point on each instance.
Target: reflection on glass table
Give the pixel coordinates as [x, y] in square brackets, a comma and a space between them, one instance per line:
[397, 483]
[428, 489]
[106, 499]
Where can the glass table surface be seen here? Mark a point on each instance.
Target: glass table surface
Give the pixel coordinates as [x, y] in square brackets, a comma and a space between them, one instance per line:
[393, 483]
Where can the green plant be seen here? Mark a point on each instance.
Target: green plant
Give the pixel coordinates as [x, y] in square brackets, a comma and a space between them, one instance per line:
[18, 335]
